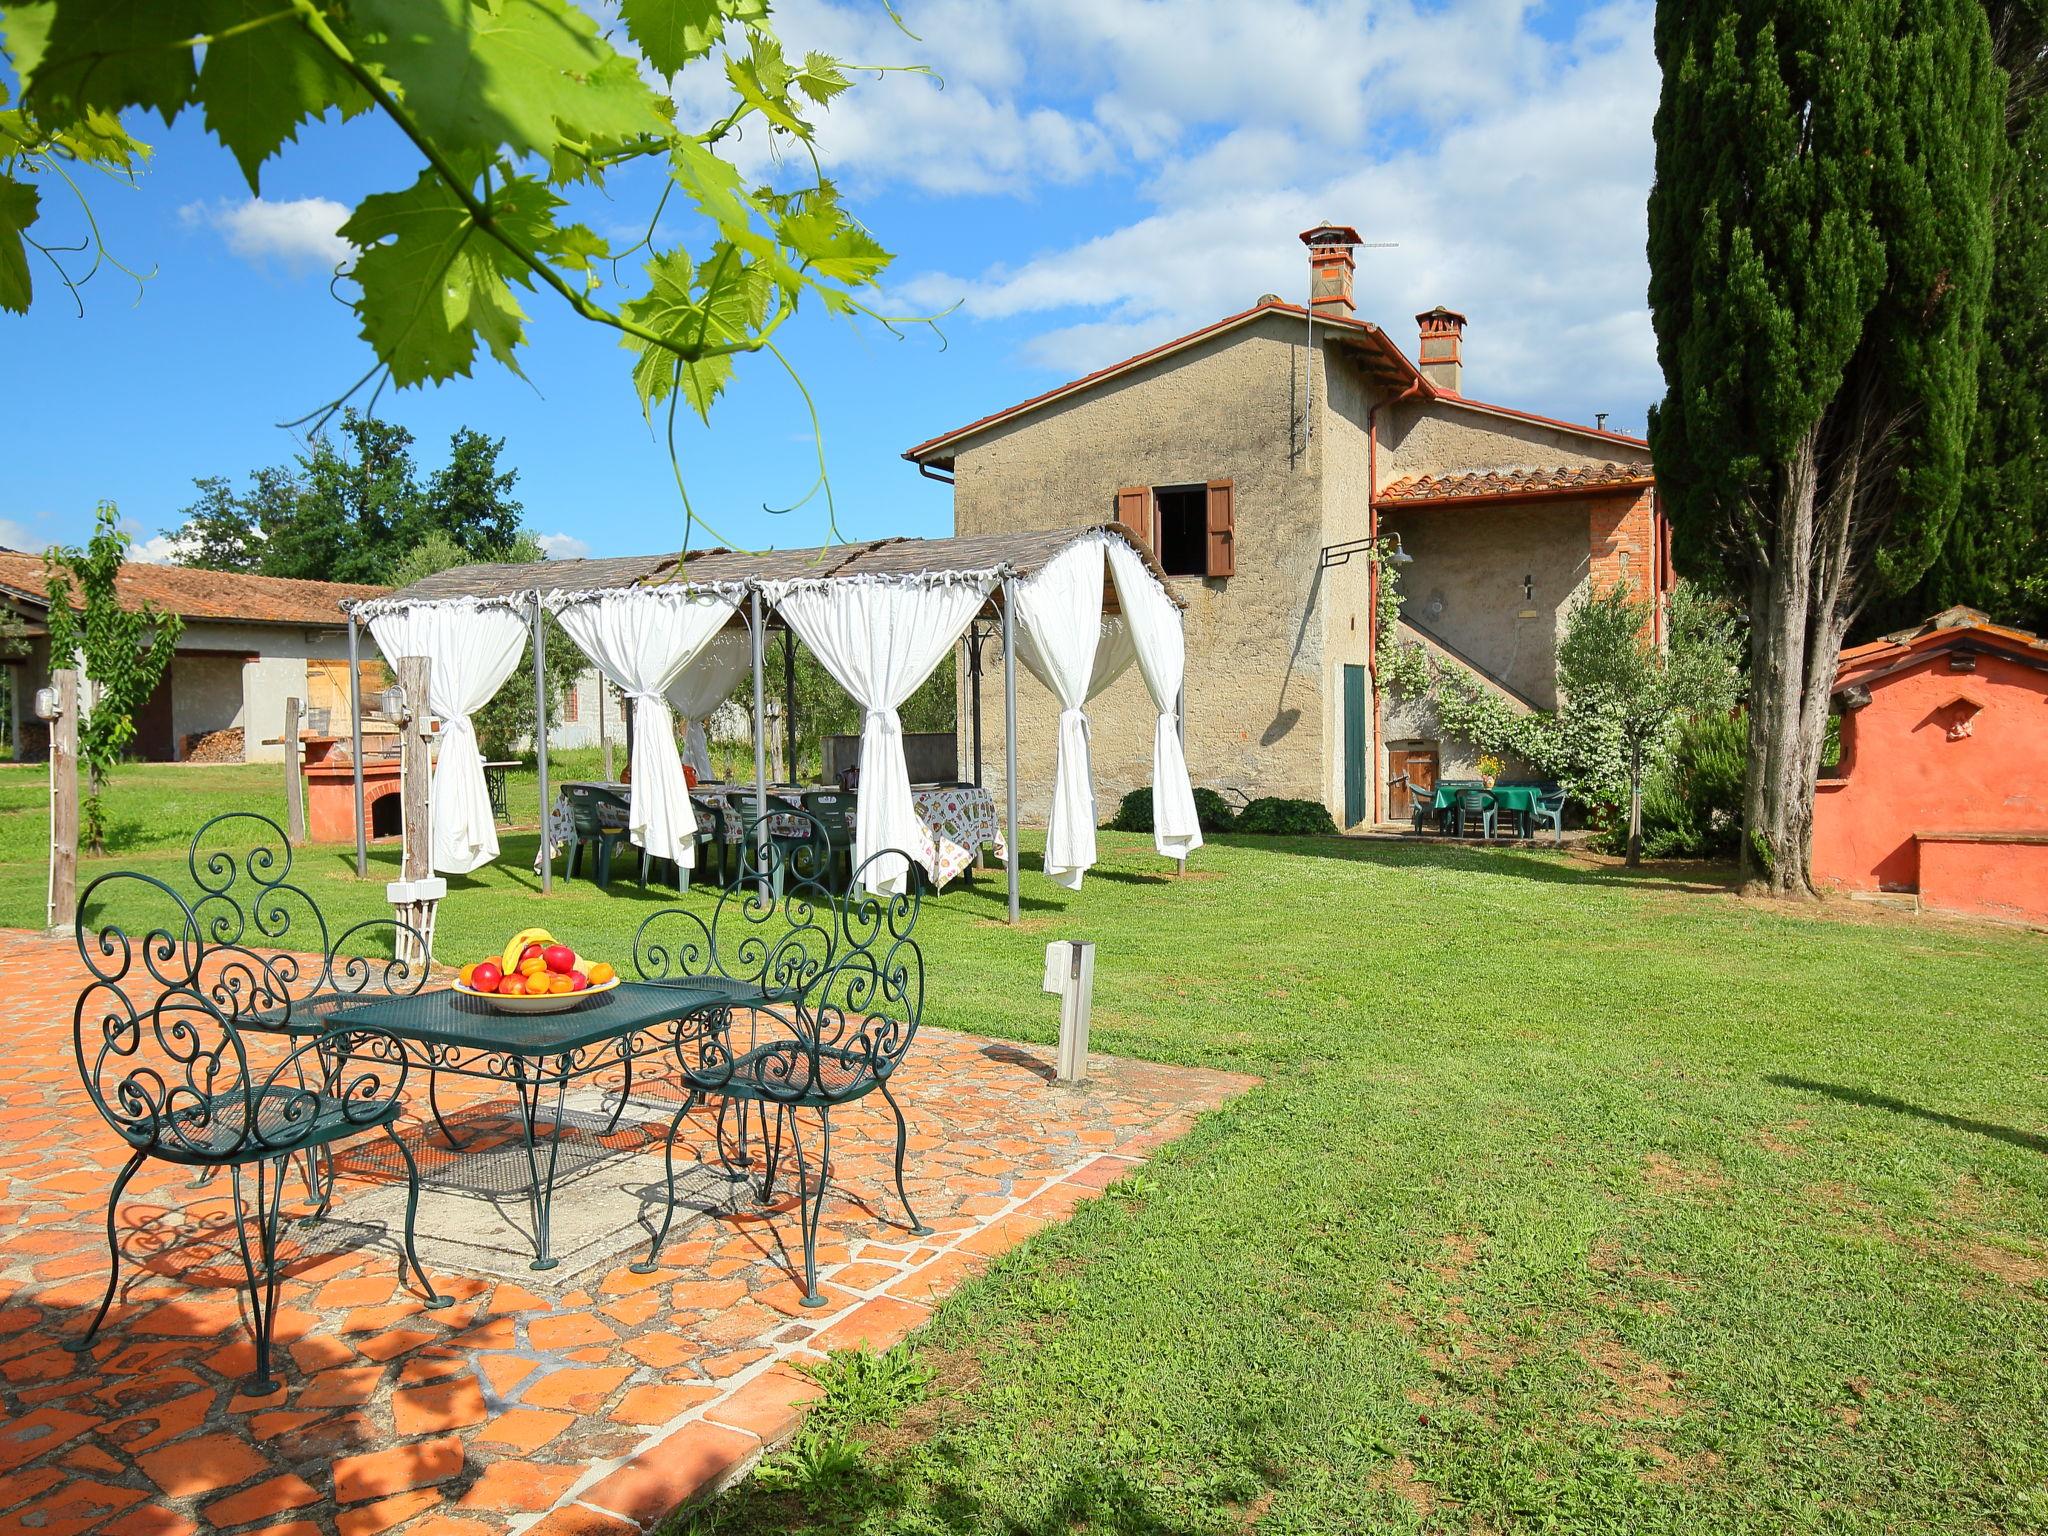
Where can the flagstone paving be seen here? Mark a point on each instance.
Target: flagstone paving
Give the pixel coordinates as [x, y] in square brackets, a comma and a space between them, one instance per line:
[591, 1402]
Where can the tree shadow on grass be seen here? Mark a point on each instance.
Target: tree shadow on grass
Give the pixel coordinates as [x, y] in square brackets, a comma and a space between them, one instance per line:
[2032, 1141]
[1512, 860]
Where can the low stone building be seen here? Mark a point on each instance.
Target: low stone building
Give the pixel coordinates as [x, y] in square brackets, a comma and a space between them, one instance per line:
[1261, 457]
[248, 644]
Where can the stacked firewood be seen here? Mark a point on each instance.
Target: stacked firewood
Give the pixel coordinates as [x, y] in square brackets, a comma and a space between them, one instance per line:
[214, 746]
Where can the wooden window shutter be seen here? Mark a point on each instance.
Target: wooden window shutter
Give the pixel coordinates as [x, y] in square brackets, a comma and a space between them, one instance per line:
[1134, 511]
[1222, 528]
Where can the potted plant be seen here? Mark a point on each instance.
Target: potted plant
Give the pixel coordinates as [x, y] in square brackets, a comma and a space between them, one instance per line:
[1490, 768]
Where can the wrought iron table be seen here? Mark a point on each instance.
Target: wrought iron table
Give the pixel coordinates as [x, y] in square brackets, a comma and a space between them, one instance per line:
[444, 1031]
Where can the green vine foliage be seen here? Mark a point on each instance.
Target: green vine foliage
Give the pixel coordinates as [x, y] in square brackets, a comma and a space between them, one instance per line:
[124, 652]
[512, 106]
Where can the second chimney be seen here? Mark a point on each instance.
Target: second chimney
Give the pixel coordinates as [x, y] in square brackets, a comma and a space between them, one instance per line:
[1330, 265]
[1441, 355]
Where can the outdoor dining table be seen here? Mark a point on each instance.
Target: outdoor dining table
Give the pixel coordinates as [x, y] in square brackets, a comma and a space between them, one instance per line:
[538, 1055]
[1519, 800]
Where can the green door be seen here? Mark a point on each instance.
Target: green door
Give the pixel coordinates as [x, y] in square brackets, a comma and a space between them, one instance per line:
[1354, 745]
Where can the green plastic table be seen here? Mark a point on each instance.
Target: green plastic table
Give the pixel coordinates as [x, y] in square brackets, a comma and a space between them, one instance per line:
[1517, 800]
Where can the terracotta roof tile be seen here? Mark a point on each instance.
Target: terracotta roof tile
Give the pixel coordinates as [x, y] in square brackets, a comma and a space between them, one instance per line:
[1516, 484]
[220, 595]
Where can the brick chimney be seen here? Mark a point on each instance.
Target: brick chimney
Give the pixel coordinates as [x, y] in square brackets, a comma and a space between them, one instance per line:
[1330, 265]
[1443, 337]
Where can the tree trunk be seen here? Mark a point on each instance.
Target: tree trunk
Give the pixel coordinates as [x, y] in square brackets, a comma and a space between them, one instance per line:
[1797, 620]
[1635, 807]
[96, 812]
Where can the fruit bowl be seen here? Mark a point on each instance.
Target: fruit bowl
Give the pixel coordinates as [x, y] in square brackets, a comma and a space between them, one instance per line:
[554, 1002]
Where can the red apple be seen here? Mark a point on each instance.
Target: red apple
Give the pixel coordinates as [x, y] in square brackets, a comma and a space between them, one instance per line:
[560, 958]
[485, 977]
[578, 981]
[531, 952]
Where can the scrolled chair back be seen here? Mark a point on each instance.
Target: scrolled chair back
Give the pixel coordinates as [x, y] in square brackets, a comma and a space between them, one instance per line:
[773, 925]
[241, 864]
[161, 1050]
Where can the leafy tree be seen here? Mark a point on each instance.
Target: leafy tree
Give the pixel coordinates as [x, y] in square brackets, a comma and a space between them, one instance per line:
[1820, 261]
[513, 106]
[1608, 667]
[510, 715]
[337, 515]
[123, 651]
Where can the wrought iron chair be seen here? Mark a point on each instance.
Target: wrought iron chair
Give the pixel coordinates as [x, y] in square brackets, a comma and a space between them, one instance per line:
[841, 1037]
[1476, 803]
[214, 1054]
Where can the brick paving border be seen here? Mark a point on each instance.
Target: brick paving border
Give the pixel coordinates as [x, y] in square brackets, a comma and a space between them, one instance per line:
[594, 1407]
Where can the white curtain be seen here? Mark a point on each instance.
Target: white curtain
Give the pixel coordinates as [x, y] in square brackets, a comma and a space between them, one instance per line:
[1059, 608]
[705, 684]
[1155, 629]
[471, 648]
[642, 639]
[880, 637]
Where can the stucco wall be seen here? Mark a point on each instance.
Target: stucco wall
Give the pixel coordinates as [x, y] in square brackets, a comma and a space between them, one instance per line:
[1473, 560]
[1902, 772]
[1434, 439]
[1255, 693]
[1344, 457]
[206, 695]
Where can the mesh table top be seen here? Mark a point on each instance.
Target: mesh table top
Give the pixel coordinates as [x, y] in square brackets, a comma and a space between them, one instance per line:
[444, 1016]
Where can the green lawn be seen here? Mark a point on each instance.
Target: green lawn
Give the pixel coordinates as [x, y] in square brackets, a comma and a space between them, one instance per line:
[1573, 1201]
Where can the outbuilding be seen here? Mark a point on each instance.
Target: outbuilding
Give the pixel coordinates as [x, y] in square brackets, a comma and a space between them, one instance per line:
[1941, 789]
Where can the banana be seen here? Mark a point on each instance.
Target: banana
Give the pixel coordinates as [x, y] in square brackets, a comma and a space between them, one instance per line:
[520, 940]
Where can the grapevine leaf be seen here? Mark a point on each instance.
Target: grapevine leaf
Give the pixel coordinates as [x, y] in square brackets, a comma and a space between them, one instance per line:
[715, 187]
[723, 301]
[822, 78]
[107, 53]
[18, 202]
[257, 86]
[831, 244]
[512, 74]
[433, 282]
[673, 32]
[763, 79]
[25, 34]
[664, 307]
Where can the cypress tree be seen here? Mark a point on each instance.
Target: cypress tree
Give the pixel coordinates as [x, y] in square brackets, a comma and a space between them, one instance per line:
[1820, 259]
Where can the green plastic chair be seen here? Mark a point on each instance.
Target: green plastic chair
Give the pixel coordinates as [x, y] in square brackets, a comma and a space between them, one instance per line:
[1476, 802]
[596, 817]
[1550, 812]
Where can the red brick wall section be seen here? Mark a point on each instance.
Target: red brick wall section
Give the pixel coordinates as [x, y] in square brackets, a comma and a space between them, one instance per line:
[1624, 542]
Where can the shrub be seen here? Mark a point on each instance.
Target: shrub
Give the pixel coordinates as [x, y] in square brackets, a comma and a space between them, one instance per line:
[1285, 818]
[1692, 804]
[1134, 812]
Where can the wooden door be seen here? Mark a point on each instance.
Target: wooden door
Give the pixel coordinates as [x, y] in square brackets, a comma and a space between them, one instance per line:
[1419, 765]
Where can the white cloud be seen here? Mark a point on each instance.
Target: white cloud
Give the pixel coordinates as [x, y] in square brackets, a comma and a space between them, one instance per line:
[158, 549]
[16, 536]
[300, 233]
[562, 546]
[1509, 166]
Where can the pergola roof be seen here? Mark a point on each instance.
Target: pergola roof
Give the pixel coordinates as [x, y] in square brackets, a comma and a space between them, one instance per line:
[1009, 554]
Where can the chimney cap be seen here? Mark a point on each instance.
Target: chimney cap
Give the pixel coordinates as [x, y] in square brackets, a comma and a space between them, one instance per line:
[1440, 313]
[1268, 300]
[1331, 234]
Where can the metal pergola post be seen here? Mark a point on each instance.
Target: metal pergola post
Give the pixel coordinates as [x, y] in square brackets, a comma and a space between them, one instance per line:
[760, 707]
[540, 744]
[789, 703]
[1010, 737]
[355, 746]
[976, 638]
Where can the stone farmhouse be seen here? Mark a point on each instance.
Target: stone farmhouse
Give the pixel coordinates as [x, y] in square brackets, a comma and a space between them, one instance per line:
[249, 643]
[1261, 456]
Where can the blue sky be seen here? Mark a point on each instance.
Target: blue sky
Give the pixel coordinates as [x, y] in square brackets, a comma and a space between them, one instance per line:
[1095, 176]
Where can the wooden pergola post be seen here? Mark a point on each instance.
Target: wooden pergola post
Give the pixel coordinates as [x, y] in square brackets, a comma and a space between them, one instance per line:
[63, 903]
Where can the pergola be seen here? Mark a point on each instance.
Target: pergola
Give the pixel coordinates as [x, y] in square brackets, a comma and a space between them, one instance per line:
[1078, 606]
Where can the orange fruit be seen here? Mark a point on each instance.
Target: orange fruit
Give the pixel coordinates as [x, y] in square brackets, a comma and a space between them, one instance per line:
[534, 967]
[560, 984]
[600, 973]
[467, 975]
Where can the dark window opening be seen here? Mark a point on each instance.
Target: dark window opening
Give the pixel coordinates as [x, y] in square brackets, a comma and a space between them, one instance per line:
[1181, 529]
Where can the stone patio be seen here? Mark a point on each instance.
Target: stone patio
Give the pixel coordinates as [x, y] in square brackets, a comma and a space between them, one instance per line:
[586, 1400]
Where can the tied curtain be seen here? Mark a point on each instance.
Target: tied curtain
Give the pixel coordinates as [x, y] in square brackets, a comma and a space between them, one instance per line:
[471, 648]
[880, 637]
[705, 684]
[642, 639]
[1059, 625]
[1156, 634]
